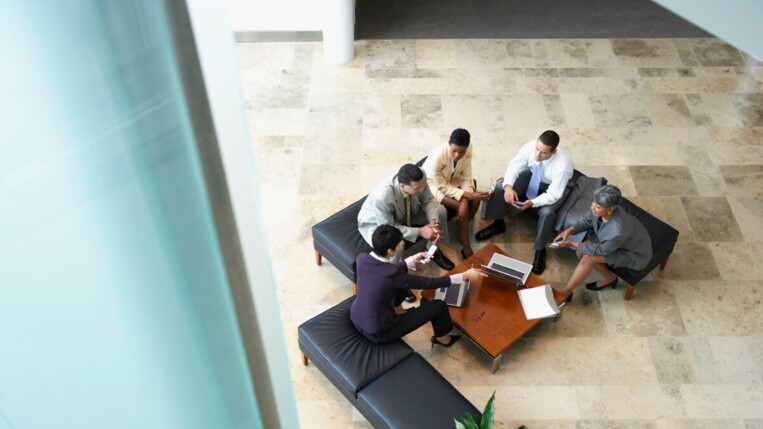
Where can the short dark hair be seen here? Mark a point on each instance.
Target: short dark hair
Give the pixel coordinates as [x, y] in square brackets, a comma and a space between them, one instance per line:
[460, 137]
[409, 173]
[550, 138]
[384, 238]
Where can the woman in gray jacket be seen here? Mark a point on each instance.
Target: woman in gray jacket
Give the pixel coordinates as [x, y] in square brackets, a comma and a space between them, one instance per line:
[615, 239]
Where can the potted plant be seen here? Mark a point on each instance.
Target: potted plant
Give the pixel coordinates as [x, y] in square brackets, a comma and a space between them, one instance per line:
[487, 418]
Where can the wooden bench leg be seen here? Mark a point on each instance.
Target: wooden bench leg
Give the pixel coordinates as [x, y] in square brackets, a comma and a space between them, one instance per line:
[664, 262]
[629, 292]
[304, 359]
[354, 289]
[318, 258]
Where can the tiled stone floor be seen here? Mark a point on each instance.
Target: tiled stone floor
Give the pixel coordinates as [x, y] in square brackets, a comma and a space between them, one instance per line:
[677, 124]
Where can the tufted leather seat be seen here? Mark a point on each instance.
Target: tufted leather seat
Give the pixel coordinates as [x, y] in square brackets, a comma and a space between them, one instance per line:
[387, 383]
[347, 358]
[337, 239]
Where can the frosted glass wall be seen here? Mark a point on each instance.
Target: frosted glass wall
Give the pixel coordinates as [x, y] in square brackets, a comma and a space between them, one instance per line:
[114, 305]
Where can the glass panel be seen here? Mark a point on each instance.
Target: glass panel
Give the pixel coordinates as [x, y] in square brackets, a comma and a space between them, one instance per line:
[114, 300]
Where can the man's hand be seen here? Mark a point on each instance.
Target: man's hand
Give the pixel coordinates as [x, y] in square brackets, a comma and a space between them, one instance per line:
[509, 194]
[431, 232]
[476, 195]
[525, 205]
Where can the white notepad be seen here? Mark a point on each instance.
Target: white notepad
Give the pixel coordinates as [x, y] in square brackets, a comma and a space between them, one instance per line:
[538, 302]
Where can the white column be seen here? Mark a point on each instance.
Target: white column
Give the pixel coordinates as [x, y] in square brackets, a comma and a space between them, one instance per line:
[338, 30]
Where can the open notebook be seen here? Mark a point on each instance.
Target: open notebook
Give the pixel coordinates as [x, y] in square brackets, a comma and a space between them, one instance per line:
[538, 302]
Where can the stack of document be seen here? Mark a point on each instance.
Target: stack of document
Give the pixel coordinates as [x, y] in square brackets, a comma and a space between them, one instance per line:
[538, 302]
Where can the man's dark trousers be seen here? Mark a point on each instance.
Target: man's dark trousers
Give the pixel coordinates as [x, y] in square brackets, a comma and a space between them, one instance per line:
[495, 207]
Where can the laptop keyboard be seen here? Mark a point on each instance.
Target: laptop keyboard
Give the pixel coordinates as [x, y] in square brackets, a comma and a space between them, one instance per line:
[451, 296]
[507, 270]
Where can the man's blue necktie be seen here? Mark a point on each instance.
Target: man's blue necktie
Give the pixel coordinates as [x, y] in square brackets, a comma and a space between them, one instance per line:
[532, 188]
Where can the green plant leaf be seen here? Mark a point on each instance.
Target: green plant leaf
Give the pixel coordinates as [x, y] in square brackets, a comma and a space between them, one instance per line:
[469, 420]
[488, 414]
[522, 427]
[459, 425]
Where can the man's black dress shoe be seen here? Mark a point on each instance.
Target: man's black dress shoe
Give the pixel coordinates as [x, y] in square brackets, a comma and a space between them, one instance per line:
[410, 298]
[592, 285]
[490, 230]
[539, 264]
[442, 261]
[569, 298]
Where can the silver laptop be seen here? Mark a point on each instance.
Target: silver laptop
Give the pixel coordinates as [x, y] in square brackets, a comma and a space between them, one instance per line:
[454, 294]
[508, 269]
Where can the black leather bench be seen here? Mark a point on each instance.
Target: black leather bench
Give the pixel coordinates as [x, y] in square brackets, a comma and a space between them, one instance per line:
[390, 384]
[337, 238]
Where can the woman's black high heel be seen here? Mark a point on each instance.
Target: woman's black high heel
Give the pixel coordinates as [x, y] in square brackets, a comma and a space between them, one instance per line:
[592, 285]
[453, 340]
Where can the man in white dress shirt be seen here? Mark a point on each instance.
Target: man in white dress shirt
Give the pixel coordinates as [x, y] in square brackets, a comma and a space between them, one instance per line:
[535, 180]
[449, 174]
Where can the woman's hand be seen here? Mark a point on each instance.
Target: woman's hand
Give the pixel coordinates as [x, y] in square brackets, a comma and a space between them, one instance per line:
[562, 244]
[473, 274]
[563, 235]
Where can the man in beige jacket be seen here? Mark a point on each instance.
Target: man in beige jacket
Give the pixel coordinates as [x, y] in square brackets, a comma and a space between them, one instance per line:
[449, 174]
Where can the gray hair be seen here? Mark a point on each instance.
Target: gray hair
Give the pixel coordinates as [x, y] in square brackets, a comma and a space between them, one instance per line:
[607, 196]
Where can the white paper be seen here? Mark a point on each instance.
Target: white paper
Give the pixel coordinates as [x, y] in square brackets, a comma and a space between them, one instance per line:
[538, 302]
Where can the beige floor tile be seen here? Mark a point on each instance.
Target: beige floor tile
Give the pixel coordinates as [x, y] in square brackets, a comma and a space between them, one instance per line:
[748, 212]
[577, 110]
[646, 52]
[728, 401]
[720, 307]
[630, 401]
[617, 176]
[568, 53]
[673, 359]
[435, 54]
[481, 54]
[524, 403]
[738, 261]
[743, 180]
[652, 312]
[738, 360]
[322, 414]
[700, 424]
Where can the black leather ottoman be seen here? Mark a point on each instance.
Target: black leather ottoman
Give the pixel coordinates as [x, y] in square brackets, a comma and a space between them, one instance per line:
[338, 240]
[413, 395]
[392, 386]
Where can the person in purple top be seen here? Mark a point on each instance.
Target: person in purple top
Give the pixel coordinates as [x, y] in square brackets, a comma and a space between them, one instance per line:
[377, 311]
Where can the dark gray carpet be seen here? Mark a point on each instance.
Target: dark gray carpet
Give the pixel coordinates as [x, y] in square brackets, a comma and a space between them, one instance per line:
[517, 19]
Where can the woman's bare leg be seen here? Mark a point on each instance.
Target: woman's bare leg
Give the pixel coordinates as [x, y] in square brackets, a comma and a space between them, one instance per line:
[606, 275]
[583, 269]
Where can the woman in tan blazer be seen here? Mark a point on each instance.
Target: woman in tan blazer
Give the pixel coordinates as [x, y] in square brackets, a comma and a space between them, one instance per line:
[449, 174]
